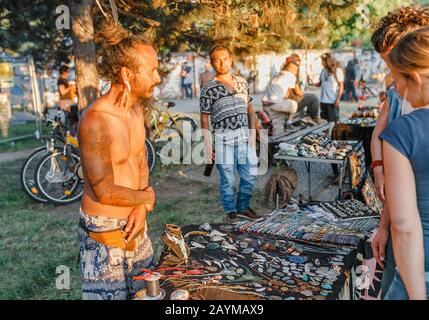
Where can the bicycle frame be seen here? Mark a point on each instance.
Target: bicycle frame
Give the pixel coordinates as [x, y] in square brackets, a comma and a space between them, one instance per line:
[70, 145]
[164, 120]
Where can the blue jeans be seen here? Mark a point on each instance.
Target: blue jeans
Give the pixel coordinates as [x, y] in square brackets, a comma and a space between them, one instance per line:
[188, 90]
[243, 159]
[397, 289]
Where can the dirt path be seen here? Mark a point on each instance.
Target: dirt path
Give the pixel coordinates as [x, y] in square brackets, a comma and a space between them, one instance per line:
[15, 155]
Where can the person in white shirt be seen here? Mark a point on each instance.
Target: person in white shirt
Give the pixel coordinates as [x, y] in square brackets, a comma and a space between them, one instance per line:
[332, 87]
[275, 100]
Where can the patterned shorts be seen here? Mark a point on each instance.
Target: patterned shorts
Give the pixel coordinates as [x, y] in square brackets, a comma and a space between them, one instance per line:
[106, 271]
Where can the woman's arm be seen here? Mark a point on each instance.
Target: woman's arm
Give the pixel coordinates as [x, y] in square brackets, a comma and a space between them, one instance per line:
[63, 90]
[340, 93]
[407, 232]
[377, 149]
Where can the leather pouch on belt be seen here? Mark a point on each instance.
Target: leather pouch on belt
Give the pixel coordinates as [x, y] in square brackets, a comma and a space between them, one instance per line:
[116, 239]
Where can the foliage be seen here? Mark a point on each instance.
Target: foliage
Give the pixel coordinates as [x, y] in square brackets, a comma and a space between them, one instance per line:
[246, 26]
[28, 27]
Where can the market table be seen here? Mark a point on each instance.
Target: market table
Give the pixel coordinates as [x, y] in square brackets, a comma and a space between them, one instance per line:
[341, 163]
[290, 254]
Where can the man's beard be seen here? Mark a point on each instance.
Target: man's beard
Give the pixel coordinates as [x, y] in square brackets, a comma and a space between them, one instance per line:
[145, 102]
[221, 72]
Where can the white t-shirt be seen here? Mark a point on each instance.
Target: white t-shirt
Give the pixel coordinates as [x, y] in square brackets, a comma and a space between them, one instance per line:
[406, 107]
[329, 85]
[279, 86]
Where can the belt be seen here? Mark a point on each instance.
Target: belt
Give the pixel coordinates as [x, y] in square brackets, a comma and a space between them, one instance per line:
[112, 238]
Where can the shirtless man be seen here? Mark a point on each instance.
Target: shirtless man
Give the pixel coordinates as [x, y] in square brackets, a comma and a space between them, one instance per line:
[117, 195]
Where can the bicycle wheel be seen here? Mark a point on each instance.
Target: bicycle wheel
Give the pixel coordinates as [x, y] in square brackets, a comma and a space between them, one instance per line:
[172, 147]
[28, 169]
[150, 155]
[59, 178]
[182, 123]
[27, 175]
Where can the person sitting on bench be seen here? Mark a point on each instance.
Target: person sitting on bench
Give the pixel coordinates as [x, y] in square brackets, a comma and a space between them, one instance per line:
[276, 100]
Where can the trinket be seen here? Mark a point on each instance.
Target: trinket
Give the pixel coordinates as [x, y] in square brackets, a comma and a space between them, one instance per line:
[213, 245]
[216, 233]
[324, 293]
[211, 269]
[140, 294]
[267, 246]
[248, 250]
[327, 286]
[196, 245]
[307, 293]
[205, 226]
[233, 263]
[228, 246]
[180, 295]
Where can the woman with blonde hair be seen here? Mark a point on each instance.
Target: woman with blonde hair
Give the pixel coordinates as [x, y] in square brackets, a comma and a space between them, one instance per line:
[406, 164]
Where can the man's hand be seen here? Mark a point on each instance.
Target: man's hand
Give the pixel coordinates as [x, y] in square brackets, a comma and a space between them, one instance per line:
[136, 221]
[379, 245]
[150, 203]
[379, 182]
[209, 154]
[337, 103]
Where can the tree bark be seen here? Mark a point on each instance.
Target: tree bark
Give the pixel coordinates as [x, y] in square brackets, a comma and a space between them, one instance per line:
[84, 52]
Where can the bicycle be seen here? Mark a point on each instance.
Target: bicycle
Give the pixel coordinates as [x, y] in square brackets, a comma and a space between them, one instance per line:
[55, 140]
[58, 175]
[164, 128]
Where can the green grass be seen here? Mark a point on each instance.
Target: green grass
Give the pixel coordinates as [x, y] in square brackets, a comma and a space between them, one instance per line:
[35, 239]
[19, 130]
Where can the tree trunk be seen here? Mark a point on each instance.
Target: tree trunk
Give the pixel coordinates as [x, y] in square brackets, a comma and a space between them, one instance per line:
[84, 52]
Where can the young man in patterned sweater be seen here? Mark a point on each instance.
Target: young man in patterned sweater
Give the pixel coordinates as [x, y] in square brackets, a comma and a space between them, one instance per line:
[226, 101]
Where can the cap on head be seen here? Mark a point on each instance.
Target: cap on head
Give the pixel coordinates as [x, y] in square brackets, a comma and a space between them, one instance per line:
[293, 58]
